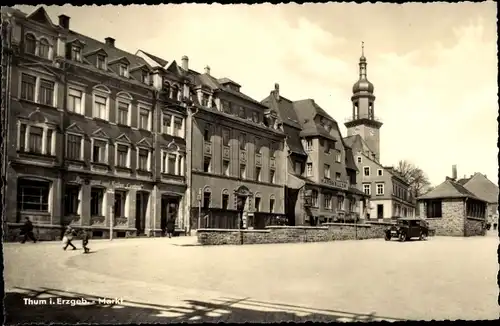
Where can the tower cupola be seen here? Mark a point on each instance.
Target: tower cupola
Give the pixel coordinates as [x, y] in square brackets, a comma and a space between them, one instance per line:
[362, 85]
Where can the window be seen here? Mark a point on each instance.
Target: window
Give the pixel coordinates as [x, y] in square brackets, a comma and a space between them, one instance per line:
[255, 117]
[100, 103]
[175, 93]
[30, 46]
[178, 127]
[360, 159]
[271, 205]
[225, 201]
[226, 136]
[71, 200]
[225, 167]
[309, 144]
[44, 48]
[337, 176]
[328, 201]
[46, 95]
[258, 147]
[298, 168]
[167, 120]
[143, 118]
[180, 165]
[379, 172]
[309, 171]
[74, 147]
[206, 164]
[143, 159]
[327, 171]
[380, 189]
[204, 100]
[327, 147]
[243, 142]
[75, 98]
[257, 204]
[207, 196]
[171, 163]
[28, 84]
[76, 53]
[96, 201]
[367, 189]
[33, 195]
[243, 171]
[340, 203]
[120, 199]
[257, 173]
[122, 155]
[101, 62]
[123, 112]
[338, 157]
[241, 112]
[35, 140]
[272, 174]
[123, 70]
[48, 148]
[99, 149]
[434, 209]
[366, 171]
[145, 77]
[206, 135]
[314, 198]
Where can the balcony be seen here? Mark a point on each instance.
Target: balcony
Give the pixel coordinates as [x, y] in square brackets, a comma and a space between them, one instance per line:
[363, 117]
[335, 183]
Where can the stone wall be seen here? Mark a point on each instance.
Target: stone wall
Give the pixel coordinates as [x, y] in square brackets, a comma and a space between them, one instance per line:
[293, 234]
[452, 222]
[474, 226]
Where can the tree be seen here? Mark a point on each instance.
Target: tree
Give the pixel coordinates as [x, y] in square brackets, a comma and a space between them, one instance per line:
[414, 176]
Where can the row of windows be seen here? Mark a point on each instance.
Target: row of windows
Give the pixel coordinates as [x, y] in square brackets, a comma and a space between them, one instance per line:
[242, 140]
[366, 171]
[367, 189]
[41, 47]
[226, 170]
[327, 146]
[240, 111]
[207, 200]
[328, 202]
[401, 211]
[400, 192]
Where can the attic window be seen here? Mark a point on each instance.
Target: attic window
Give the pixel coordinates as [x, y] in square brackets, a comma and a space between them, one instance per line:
[76, 53]
[145, 77]
[101, 62]
[123, 70]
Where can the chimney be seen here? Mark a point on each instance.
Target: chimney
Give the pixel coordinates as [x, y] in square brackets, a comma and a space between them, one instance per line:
[207, 70]
[110, 41]
[277, 91]
[454, 172]
[64, 21]
[185, 63]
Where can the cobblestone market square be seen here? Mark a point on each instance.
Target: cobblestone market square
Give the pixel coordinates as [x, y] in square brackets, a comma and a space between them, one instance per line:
[173, 280]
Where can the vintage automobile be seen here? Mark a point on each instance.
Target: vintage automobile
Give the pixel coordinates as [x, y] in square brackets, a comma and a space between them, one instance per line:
[407, 228]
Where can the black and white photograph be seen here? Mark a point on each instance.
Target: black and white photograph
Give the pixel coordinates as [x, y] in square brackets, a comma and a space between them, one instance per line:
[263, 163]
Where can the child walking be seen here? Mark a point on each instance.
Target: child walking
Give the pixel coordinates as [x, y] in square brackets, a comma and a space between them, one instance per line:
[85, 241]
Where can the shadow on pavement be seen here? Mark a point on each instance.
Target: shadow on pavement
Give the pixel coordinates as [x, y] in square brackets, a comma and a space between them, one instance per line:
[32, 306]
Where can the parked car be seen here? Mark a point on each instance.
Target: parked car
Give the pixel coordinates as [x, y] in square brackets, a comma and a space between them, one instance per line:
[407, 228]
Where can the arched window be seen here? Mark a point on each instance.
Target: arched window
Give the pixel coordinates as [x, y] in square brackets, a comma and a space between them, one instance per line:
[44, 48]
[30, 44]
[166, 88]
[225, 199]
[175, 92]
[207, 197]
[257, 202]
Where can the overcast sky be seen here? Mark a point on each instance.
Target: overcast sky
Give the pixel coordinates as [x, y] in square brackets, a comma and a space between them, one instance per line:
[433, 65]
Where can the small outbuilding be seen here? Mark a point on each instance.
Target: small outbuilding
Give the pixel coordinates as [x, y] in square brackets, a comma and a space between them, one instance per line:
[452, 210]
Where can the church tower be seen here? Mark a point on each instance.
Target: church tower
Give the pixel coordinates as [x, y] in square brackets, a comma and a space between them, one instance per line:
[363, 121]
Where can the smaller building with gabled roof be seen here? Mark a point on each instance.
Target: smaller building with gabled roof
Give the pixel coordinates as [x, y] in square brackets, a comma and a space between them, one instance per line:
[452, 210]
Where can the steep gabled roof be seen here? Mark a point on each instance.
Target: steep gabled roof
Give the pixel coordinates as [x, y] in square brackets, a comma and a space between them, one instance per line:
[482, 187]
[41, 16]
[449, 189]
[161, 62]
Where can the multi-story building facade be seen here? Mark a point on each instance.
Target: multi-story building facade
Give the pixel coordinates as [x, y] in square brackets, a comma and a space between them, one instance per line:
[321, 174]
[390, 196]
[94, 135]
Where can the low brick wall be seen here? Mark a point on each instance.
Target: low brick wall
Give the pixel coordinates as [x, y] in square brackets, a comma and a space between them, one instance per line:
[474, 227]
[293, 234]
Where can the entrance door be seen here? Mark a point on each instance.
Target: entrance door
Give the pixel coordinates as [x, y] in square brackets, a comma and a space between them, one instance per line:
[141, 204]
[380, 211]
[240, 207]
[169, 210]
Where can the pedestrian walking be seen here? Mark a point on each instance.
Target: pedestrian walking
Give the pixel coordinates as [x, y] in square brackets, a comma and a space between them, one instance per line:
[170, 227]
[68, 237]
[85, 241]
[27, 231]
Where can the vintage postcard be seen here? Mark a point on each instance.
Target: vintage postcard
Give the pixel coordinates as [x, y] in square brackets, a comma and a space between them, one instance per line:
[332, 162]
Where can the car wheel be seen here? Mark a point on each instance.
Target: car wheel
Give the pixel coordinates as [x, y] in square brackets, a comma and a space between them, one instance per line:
[402, 237]
[423, 236]
[387, 237]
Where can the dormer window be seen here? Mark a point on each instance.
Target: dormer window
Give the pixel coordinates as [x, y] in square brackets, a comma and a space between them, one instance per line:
[30, 44]
[145, 77]
[204, 100]
[241, 112]
[255, 117]
[76, 53]
[123, 70]
[101, 61]
[44, 48]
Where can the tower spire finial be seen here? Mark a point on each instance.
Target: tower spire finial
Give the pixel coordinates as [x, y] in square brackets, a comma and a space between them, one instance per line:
[362, 48]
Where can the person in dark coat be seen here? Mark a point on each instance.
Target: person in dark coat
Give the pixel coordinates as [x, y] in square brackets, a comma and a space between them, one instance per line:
[27, 231]
[170, 227]
[68, 236]
[85, 241]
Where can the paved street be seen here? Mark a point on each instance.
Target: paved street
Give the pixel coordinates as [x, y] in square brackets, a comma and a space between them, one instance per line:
[170, 280]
